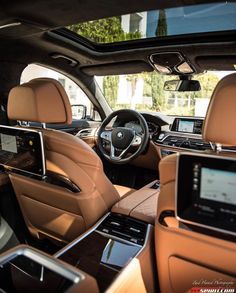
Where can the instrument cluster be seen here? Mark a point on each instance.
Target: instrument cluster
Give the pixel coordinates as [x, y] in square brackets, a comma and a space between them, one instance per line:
[153, 128]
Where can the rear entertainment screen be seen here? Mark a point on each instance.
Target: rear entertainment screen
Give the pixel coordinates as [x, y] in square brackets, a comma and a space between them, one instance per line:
[206, 191]
[22, 149]
[218, 185]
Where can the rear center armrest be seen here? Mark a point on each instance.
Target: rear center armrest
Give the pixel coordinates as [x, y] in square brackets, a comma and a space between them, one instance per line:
[141, 204]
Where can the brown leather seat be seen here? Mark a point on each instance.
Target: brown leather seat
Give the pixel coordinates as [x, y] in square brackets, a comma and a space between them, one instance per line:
[186, 258]
[48, 209]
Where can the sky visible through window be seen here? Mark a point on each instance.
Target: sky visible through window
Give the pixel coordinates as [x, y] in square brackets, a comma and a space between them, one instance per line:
[210, 17]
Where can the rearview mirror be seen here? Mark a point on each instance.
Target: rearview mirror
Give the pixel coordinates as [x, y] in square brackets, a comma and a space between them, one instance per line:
[79, 111]
[182, 85]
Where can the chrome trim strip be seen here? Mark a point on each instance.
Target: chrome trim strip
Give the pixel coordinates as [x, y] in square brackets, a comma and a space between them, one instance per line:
[178, 149]
[11, 24]
[148, 232]
[43, 153]
[55, 265]
[41, 145]
[206, 226]
[186, 136]
[182, 135]
[223, 150]
[86, 132]
[117, 238]
[179, 133]
[176, 193]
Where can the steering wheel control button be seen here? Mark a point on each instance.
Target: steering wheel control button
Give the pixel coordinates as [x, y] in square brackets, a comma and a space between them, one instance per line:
[106, 135]
[137, 141]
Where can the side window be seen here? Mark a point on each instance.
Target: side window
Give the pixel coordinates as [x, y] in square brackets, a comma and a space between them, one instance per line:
[80, 104]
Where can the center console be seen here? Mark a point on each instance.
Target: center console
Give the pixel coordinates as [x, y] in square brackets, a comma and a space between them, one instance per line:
[118, 250]
[106, 250]
[114, 255]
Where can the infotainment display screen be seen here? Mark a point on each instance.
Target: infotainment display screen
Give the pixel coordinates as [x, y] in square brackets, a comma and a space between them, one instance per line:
[186, 126]
[21, 149]
[206, 191]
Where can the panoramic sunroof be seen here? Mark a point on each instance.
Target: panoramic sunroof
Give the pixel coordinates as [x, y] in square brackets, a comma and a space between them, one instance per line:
[201, 18]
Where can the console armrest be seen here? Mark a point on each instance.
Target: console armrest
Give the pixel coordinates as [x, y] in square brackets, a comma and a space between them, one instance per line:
[141, 204]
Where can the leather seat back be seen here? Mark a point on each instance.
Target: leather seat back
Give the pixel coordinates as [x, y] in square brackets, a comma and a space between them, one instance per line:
[48, 209]
[186, 258]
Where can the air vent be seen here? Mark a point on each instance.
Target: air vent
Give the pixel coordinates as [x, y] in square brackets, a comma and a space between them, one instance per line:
[176, 141]
[125, 228]
[199, 144]
[86, 132]
[188, 143]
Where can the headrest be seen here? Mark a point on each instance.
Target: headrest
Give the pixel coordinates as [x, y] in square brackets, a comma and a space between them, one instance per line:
[41, 100]
[220, 122]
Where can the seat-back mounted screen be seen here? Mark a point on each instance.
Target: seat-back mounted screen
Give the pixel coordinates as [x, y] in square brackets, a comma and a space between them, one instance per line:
[206, 191]
[21, 149]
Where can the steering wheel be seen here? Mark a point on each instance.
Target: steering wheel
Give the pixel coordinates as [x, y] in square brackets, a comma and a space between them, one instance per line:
[120, 140]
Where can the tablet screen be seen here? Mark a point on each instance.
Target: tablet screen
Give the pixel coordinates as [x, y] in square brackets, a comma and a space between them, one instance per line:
[22, 149]
[205, 192]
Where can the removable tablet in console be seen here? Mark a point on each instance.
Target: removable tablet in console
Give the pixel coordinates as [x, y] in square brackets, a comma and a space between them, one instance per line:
[21, 149]
[206, 191]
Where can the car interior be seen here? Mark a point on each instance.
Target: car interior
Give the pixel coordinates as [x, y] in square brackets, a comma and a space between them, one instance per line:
[118, 146]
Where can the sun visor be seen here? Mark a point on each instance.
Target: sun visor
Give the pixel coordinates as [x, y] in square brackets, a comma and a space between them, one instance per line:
[227, 63]
[18, 29]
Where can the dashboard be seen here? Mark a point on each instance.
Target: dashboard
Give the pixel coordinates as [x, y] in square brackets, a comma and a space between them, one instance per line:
[175, 135]
[171, 134]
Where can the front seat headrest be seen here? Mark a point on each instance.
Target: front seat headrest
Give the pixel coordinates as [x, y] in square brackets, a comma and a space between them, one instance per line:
[41, 100]
[220, 122]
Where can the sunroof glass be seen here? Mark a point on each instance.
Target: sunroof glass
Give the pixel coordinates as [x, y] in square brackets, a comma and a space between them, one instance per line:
[213, 17]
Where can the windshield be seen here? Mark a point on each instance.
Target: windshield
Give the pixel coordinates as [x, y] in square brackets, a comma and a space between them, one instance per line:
[144, 92]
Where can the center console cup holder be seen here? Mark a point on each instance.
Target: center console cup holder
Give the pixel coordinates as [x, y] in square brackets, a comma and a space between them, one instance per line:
[25, 269]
